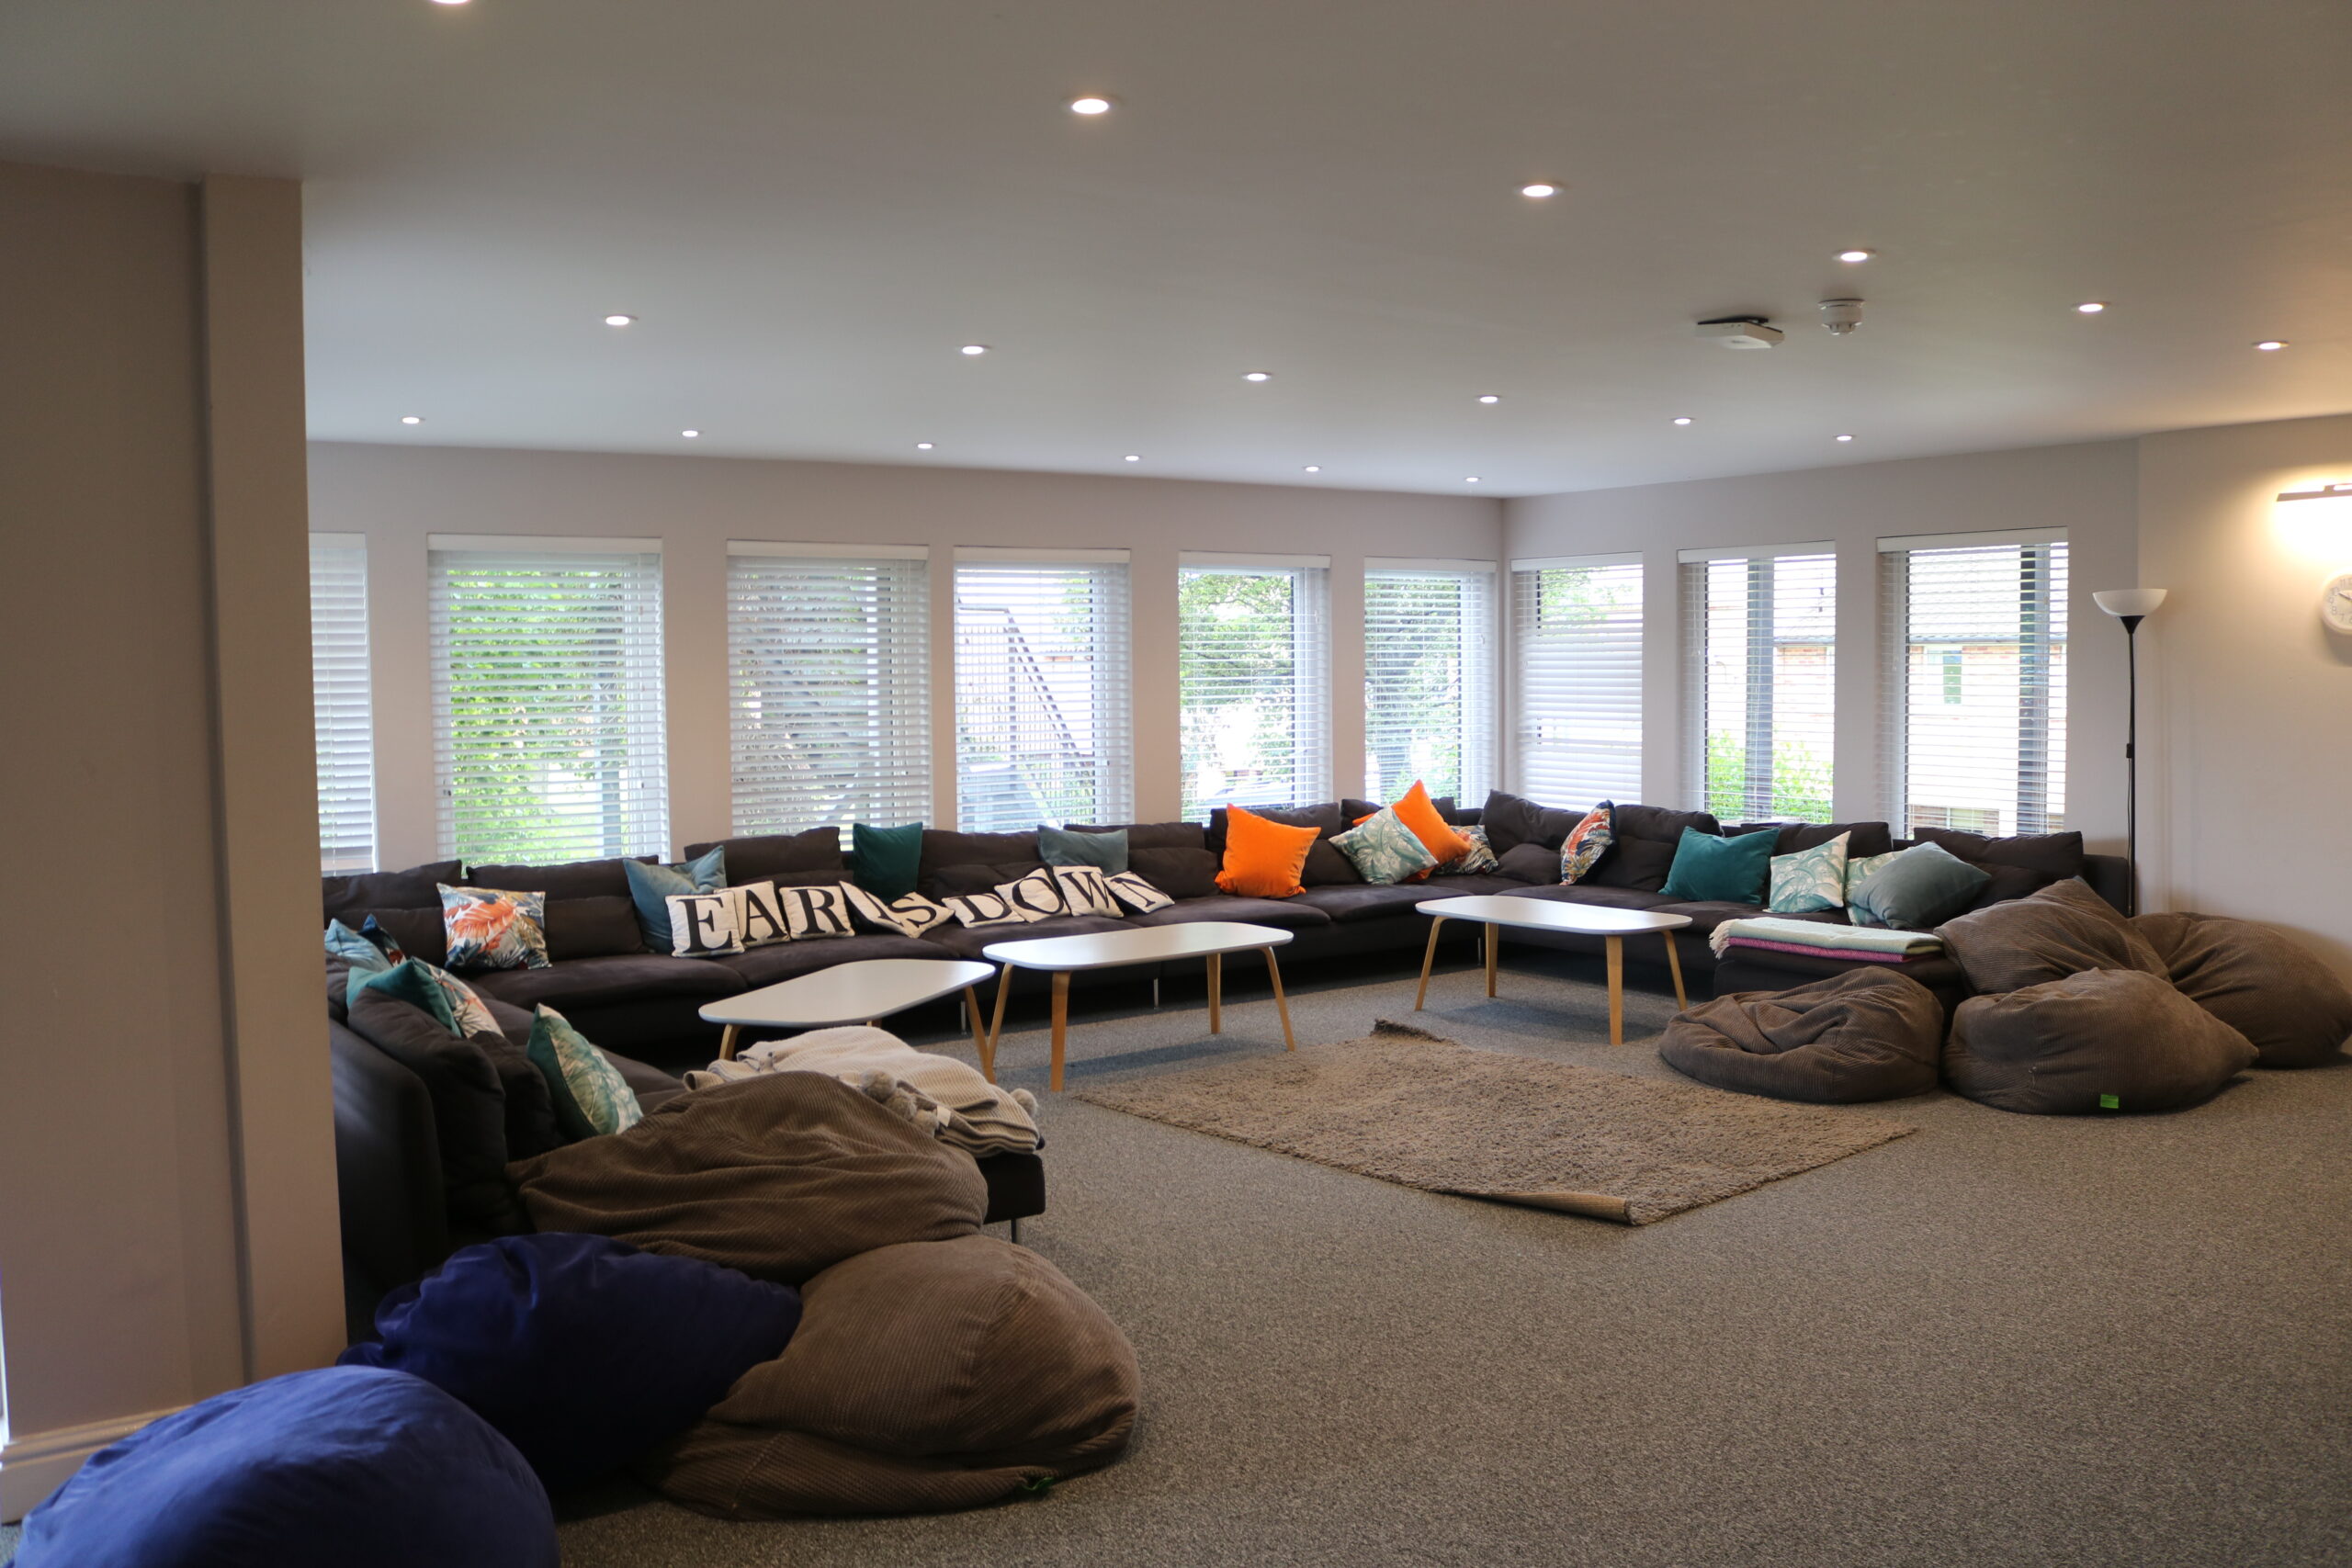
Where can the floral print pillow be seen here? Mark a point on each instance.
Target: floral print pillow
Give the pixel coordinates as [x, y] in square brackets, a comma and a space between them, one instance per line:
[487, 928]
[1478, 857]
[1587, 841]
[1385, 851]
[1811, 880]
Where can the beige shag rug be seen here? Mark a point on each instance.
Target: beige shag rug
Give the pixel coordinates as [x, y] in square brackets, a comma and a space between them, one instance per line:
[1409, 1107]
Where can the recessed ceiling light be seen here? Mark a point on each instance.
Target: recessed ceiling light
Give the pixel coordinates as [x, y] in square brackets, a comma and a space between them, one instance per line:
[1133, 457]
[1849, 257]
[1489, 398]
[1471, 479]
[2271, 345]
[1314, 467]
[922, 446]
[1256, 376]
[691, 435]
[1539, 190]
[1093, 103]
[1682, 419]
[1845, 438]
[448, 2]
[411, 419]
[975, 349]
[617, 321]
[2091, 307]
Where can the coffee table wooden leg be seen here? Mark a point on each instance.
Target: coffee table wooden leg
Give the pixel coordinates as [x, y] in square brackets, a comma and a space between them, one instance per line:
[1674, 961]
[1494, 953]
[1281, 1003]
[979, 1023]
[1428, 958]
[996, 1029]
[1217, 993]
[1061, 1025]
[1616, 989]
[726, 1042]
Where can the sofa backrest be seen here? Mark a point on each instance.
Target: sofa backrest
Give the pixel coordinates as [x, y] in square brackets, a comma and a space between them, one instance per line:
[808, 859]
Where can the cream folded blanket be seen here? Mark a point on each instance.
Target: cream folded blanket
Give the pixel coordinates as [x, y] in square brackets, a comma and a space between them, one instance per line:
[1817, 933]
[939, 1094]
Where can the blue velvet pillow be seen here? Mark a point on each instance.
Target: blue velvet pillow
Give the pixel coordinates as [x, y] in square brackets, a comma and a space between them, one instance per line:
[1918, 887]
[344, 1467]
[1105, 851]
[649, 887]
[1711, 869]
[582, 1349]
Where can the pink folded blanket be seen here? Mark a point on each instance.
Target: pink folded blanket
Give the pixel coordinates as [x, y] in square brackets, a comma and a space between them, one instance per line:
[1858, 956]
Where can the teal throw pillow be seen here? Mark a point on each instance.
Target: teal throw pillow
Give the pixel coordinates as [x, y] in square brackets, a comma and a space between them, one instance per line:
[453, 1004]
[591, 1097]
[1385, 851]
[651, 887]
[1710, 869]
[363, 957]
[886, 862]
[1107, 852]
[1810, 880]
[1915, 888]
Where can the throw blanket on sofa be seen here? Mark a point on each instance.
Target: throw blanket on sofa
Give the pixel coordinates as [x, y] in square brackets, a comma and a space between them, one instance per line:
[940, 1095]
[1820, 934]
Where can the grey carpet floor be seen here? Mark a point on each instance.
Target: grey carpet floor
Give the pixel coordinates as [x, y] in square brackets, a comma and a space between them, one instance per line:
[2002, 1340]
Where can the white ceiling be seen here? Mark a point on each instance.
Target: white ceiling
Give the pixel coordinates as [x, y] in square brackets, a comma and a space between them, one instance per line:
[811, 207]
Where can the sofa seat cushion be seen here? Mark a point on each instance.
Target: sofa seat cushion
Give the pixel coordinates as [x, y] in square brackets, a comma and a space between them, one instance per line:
[790, 960]
[963, 941]
[1864, 1034]
[1287, 914]
[2263, 984]
[625, 977]
[2097, 1040]
[1603, 897]
[1347, 905]
[1706, 914]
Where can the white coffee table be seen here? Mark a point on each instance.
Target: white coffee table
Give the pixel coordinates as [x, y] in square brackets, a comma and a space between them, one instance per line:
[1064, 955]
[860, 991]
[1544, 915]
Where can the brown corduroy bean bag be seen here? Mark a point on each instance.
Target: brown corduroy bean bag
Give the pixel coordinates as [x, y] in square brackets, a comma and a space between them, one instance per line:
[2101, 1040]
[2063, 929]
[1862, 1034]
[924, 1378]
[779, 1176]
[2258, 982]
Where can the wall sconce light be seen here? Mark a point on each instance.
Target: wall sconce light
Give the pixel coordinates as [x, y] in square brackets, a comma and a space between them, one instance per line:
[2342, 491]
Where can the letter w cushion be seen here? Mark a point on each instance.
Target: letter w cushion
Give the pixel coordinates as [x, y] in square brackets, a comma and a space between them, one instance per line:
[1863, 1035]
[583, 1351]
[349, 1467]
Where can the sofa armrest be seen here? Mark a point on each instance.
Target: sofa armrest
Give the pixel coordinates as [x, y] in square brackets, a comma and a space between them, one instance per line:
[388, 1168]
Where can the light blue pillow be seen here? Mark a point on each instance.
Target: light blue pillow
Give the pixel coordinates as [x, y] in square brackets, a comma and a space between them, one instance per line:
[649, 887]
[1107, 852]
[1385, 851]
[591, 1097]
[1810, 880]
[1915, 888]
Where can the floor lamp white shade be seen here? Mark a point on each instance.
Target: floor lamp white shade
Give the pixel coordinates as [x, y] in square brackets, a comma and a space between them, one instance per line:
[2128, 601]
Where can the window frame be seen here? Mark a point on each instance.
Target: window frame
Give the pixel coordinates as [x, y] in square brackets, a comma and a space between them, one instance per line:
[1310, 688]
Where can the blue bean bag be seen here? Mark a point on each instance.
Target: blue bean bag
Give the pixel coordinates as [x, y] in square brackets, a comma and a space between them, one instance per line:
[343, 1468]
[583, 1350]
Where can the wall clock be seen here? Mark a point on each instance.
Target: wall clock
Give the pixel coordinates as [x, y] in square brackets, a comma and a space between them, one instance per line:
[2335, 604]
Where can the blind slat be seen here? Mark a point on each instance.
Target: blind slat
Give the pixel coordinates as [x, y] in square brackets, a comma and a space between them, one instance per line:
[1428, 635]
[1254, 674]
[342, 708]
[1044, 695]
[1577, 634]
[1760, 663]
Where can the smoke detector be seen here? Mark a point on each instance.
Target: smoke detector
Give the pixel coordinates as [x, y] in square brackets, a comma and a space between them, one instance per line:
[1841, 316]
[1740, 332]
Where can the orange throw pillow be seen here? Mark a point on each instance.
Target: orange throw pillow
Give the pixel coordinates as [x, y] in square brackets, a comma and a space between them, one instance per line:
[1262, 859]
[1437, 835]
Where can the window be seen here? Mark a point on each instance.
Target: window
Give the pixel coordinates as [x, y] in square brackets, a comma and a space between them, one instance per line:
[1043, 690]
[1576, 630]
[341, 717]
[828, 685]
[1975, 688]
[1761, 629]
[1253, 649]
[547, 735]
[1428, 677]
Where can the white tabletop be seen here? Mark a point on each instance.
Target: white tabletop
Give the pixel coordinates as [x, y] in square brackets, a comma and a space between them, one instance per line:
[1551, 915]
[1106, 950]
[848, 993]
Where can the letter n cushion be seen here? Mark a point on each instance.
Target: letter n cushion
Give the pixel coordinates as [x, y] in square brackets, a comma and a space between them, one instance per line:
[925, 1377]
[2261, 984]
[350, 1467]
[1862, 1034]
[2098, 1040]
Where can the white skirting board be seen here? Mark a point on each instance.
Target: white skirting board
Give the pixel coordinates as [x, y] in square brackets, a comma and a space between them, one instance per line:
[38, 1463]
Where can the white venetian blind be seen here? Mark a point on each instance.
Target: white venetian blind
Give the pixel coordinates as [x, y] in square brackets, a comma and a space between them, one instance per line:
[1254, 674]
[1429, 686]
[343, 715]
[1577, 633]
[1760, 670]
[1975, 636]
[548, 734]
[827, 686]
[1044, 690]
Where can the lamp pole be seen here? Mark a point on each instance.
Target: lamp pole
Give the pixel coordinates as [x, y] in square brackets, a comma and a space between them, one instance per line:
[2131, 605]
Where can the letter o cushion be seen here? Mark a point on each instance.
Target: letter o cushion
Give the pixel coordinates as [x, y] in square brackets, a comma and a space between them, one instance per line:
[2057, 1048]
[1861, 1034]
[583, 1350]
[925, 1377]
[2261, 984]
[350, 1467]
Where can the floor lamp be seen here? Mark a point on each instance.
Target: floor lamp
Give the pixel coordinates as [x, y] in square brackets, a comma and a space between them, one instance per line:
[2131, 605]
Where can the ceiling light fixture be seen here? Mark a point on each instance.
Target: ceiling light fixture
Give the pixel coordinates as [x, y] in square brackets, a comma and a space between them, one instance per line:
[1314, 467]
[974, 349]
[1845, 438]
[411, 419]
[448, 2]
[1133, 457]
[2090, 307]
[619, 321]
[1682, 419]
[1539, 190]
[922, 446]
[2271, 345]
[1490, 398]
[1256, 376]
[1854, 256]
[691, 435]
[1091, 104]
[1470, 480]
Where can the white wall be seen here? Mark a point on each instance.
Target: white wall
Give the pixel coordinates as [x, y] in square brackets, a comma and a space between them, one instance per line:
[2087, 490]
[399, 495]
[2247, 707]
